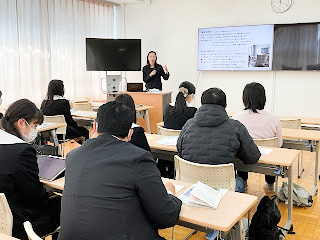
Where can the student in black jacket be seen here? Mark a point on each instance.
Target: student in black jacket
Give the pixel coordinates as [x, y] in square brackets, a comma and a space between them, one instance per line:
[153, 72]
[113, 189]
[176, 115]
[19, 180]
[56, 104]
[138, 137]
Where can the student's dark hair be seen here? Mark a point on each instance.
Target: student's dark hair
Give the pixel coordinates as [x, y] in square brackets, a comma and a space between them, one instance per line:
[214, 96]
[55, 87]
[0, 94]
[254, 97]
[155, 62]
[127, 100]
[114, 118]
[181, 105]
[21, 109]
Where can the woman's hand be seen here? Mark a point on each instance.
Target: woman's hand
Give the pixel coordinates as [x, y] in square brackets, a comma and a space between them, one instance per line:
[153, 73]
[166, 69]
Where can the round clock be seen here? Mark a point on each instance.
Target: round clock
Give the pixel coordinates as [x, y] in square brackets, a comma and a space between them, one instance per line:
[280, 6]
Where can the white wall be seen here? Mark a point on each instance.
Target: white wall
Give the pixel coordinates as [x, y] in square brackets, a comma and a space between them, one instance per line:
[170, 27]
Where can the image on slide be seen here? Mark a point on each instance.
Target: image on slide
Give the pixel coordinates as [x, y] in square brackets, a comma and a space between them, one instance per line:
[258, 55]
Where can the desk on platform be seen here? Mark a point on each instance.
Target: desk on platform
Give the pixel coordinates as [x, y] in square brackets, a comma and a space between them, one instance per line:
[157, 100]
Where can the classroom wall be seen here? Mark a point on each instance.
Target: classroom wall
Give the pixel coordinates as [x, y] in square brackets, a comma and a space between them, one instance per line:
[170, 28]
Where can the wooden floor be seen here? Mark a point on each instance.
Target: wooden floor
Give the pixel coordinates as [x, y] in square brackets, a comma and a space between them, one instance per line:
[306, 220]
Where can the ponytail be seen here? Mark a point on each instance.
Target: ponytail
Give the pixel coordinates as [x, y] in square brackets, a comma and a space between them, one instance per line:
[180, 105]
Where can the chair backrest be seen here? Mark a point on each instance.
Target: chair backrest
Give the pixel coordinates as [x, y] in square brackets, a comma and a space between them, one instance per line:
[6, 219]
[57, 119]
[29, 230]
[291, 123]
[168, 132]
[82, 106]
[217, 176]
[267, 142]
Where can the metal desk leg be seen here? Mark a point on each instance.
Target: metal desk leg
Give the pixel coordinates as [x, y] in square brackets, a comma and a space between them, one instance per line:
[55, 139]
[290, 198]
[315, 190]
[146, 116]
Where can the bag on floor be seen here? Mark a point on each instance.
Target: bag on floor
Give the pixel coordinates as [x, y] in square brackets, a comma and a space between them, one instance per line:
[265, 220]
[301, 197]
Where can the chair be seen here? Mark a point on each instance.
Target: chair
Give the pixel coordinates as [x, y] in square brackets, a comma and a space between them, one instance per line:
[216, 176]
[268, 142]
[82, 106]
[168, 132]
[29, 230]
[32, 235]
[62, 130]
[6, 218]
[291, 123]
[294, 123]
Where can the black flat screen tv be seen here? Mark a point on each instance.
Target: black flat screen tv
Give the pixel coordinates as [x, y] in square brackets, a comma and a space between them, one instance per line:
[113, 54]
[296, 47]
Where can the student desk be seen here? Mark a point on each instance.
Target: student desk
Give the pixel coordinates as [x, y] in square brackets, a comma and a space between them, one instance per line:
[310, 135]
[52, 129]
[6, 237]
[277, 163]
[142, 112]
[231, 209]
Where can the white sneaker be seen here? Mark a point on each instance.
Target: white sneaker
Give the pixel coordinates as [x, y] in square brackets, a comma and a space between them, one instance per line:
[270, 187]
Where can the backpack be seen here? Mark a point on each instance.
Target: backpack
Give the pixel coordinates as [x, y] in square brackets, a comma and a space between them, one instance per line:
[301, 197]
[264, 222]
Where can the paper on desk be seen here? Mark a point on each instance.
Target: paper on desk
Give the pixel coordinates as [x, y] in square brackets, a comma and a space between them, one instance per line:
[201, 195]
[168, 140]
[150, 137]
[83, 113]
[265, 151]
[45, 125]
[178, 187]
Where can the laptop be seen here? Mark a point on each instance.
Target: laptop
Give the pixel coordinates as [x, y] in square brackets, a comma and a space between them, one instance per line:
[51, 167]
[135, 87]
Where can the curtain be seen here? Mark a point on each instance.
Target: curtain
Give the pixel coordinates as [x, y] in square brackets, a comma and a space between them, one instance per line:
[45, 39]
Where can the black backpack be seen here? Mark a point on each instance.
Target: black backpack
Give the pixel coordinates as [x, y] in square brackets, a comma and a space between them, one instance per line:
[265, 220]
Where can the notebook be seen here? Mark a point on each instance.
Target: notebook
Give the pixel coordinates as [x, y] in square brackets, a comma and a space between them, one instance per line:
[50, 167]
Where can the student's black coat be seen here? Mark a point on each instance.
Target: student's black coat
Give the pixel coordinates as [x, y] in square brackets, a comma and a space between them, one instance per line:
[19, 181]
[113, 190]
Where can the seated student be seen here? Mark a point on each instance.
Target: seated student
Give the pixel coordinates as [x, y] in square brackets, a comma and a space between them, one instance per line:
[113, 189]
[1, 115]
[138, 137]
[259, 122]
[177, 114]
[211, 137]
[56, 104]
[19, 180]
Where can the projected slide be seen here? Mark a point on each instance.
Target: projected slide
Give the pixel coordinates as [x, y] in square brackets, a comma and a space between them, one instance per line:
[235, 48]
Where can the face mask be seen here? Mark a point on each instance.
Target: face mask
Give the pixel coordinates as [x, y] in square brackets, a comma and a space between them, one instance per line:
[32, 135]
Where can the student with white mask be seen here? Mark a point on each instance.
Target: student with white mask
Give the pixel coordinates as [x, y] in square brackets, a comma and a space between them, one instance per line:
[19, 172]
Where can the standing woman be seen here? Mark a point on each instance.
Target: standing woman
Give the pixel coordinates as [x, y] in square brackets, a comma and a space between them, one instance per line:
[19, 172]
[153, 72]
[56, 104]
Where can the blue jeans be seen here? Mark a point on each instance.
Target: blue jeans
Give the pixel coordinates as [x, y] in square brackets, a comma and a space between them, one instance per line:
[240, 185]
